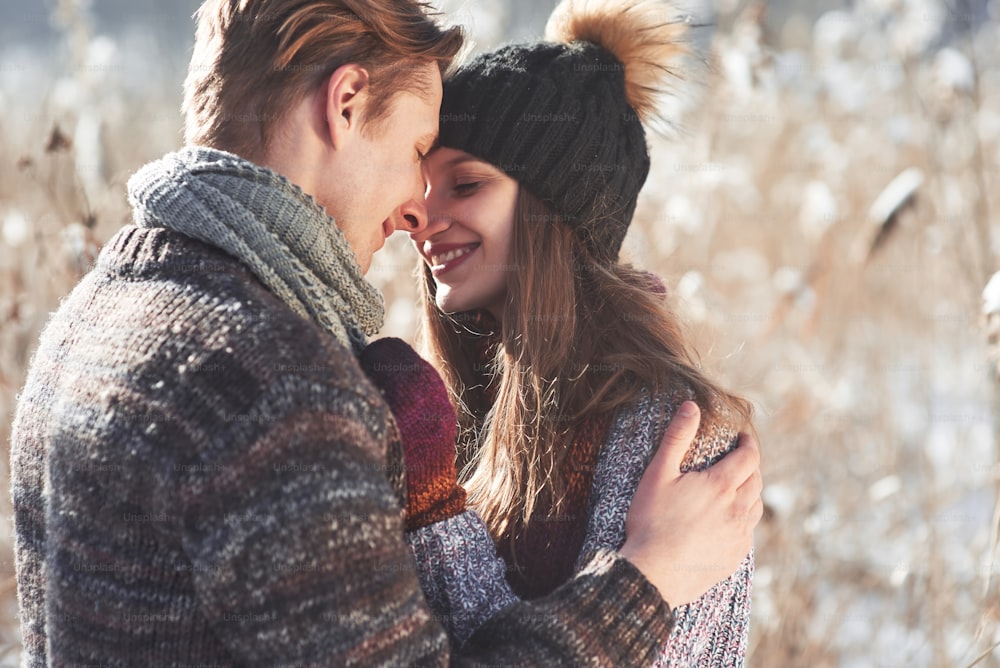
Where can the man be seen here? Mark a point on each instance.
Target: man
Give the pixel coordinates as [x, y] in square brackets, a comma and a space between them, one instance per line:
[202, 472]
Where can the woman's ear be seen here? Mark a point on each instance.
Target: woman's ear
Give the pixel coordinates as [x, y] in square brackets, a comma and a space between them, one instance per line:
[345, 102]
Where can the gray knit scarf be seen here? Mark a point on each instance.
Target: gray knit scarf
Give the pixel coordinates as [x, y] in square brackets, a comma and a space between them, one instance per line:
[260, 217]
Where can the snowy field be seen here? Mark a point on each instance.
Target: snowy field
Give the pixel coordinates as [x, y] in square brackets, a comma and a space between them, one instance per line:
[825, 212]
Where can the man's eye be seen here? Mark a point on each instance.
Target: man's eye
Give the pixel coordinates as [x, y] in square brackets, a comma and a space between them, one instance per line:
[420, 156]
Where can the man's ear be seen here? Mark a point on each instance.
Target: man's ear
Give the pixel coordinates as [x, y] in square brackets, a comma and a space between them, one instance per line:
[347, 95]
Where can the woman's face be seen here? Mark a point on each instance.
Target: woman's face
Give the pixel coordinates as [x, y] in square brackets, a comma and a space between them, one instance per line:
[467, 242]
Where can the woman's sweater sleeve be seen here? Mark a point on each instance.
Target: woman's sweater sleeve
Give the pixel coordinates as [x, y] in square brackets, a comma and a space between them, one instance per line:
[463, 577]
[714, 630]
[464, 581]
[606, 615]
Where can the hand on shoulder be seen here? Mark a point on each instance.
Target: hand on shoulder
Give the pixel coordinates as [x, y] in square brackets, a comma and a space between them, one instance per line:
[688, 531]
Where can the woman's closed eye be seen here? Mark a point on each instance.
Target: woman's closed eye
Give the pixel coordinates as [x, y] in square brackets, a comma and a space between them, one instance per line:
[466, 188]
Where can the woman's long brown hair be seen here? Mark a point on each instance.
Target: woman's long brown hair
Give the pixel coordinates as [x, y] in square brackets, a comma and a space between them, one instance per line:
[578, 338]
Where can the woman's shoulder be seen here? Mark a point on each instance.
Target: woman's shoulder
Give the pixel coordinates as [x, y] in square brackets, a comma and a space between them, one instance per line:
[642, 422]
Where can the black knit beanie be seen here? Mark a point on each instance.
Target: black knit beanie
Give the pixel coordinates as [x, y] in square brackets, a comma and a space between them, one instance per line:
[555, 117]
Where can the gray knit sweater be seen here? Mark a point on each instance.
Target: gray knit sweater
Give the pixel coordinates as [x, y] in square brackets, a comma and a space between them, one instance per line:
[464, 579]
[203, 476]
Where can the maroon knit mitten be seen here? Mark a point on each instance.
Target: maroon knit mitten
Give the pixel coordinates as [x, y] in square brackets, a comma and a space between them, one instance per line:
[427, 424]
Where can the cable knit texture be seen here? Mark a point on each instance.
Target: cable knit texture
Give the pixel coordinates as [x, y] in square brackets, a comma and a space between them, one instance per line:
[202, 476]
[271, 225]
[710, 632]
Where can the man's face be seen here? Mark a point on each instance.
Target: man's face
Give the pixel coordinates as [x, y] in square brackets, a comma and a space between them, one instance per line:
[386, 189]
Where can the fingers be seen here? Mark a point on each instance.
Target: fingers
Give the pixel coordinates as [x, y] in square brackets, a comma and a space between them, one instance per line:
[676, 441]
[747, 445]
[733, 470]
[747, 521]
[748, 504]
[752, 487]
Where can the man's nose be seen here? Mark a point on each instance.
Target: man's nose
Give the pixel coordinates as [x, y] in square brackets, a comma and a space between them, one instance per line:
[437, 215]
[412, 216]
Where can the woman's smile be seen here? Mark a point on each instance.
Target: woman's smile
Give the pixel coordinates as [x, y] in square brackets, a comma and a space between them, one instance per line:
[445, 257]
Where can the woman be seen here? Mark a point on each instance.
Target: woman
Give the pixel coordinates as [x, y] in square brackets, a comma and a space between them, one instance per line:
[565, 363]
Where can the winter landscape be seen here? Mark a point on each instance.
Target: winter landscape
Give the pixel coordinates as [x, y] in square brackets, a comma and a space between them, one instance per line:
[824, 210]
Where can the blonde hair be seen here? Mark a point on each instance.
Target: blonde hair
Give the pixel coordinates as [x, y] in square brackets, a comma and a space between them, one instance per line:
[254, 60]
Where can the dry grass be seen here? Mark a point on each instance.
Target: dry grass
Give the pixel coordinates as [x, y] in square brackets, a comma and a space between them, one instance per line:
[877, 403]
[877, 407]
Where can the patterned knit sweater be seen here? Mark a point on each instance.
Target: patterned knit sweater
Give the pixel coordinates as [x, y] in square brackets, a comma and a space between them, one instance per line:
[201, 476]
[464, 579]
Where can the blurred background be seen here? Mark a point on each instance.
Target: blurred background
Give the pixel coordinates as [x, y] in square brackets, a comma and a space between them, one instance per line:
[823, 208]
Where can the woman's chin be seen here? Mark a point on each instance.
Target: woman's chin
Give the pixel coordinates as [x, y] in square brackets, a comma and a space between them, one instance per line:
[453, 299]
[449, 302]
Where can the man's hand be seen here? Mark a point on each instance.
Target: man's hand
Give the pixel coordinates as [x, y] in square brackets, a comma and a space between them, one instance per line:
[688, 531]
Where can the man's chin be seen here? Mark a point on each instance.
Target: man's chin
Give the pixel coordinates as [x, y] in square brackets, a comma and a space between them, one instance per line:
[369, 259]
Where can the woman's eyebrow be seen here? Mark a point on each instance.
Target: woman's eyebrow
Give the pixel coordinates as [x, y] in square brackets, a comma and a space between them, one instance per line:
[458, 160]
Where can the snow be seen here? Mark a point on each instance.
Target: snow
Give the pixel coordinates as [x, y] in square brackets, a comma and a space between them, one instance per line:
[953, 71]
[16, 228]
[896, 195]
[991, 295]
[819, 210]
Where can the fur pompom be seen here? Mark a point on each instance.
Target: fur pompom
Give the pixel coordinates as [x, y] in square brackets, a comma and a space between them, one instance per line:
[646, 36]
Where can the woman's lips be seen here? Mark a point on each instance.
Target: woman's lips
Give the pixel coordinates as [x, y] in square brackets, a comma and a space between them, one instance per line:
[446, 257]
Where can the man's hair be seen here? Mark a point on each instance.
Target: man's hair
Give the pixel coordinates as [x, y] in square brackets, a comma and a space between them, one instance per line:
[256, 59]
